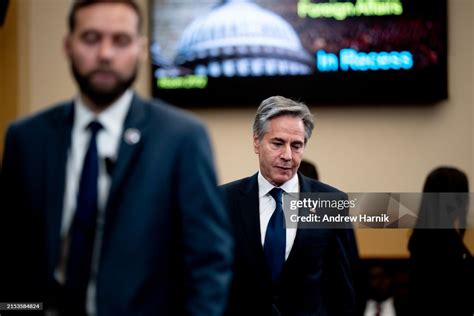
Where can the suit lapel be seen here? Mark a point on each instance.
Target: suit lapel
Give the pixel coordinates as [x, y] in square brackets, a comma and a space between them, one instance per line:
[57, 145]
[249, 212]
[128, 151]
[305, 186]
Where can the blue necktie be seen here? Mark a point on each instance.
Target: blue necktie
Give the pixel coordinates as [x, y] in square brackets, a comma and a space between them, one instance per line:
[83, 228]
[275, 238]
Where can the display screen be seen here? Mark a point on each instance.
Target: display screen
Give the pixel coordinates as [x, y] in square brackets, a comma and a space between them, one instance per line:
[218, 53]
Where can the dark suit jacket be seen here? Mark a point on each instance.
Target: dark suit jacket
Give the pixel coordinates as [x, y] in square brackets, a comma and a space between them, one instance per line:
[441, 273]
[166, 247]
[316, 278]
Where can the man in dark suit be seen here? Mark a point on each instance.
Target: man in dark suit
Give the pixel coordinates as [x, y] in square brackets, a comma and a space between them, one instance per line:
[278, 270]
[109, 202]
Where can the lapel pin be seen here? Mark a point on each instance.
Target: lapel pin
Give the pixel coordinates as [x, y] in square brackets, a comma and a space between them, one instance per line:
[132, 136]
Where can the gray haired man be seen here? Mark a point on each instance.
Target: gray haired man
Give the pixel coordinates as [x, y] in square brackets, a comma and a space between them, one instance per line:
[278, 270]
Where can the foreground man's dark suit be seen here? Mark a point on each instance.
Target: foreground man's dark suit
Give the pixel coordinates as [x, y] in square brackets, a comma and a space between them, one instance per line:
[316, 278]
[166, 246]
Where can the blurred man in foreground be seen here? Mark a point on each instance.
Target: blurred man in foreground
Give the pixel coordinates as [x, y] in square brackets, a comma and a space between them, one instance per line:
[111, 205]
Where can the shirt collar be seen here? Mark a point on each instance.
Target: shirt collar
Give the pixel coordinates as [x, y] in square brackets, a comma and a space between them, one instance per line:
[264, 186]
[112, 118]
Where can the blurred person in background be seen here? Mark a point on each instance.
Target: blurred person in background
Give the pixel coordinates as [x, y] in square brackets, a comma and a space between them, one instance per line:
[442, 269]
[308, 169]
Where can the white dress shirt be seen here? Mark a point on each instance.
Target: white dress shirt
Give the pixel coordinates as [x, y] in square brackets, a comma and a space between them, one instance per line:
[267, 206]
[108, 141]
[386, 308]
